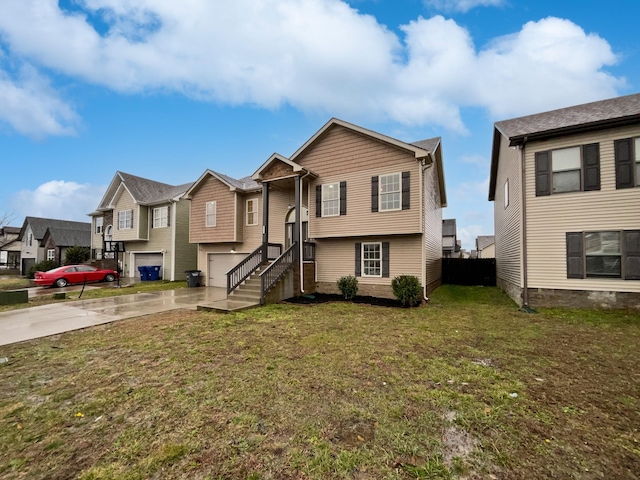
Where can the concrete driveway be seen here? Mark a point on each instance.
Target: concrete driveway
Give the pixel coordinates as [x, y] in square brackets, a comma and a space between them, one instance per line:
[35, 322]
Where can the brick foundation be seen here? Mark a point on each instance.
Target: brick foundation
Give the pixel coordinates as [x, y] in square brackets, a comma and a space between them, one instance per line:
[540, 297]
[511, 289]
[380, 291]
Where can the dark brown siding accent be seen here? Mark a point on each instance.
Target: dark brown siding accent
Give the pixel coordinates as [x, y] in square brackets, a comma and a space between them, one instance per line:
[374, 194]
[575, 255]
[543, 174]
[406, 193]
[591, 171]
[631, 240]
[343, 198]
[318, 200]
[385, 259]
[624, 163]
[358, 266]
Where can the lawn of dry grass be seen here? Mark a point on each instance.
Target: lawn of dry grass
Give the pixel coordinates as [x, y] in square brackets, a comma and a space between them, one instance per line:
[467, 387]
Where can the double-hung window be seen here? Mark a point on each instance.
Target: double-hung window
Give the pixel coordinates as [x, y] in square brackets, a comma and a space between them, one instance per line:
[210, 214]
[160, 217]
[252, 211]
[51, 254]
[99, 223]
[331, 199]
[627, 160]
[390, 192]
[604, 254]
[125, 219]
[570, 169]
[372, 259]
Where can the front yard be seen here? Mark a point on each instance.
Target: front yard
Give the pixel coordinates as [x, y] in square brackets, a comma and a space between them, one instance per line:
[467, 387]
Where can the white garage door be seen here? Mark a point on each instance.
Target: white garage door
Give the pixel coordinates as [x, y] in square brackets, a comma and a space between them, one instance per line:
[146, 260]
[219, 265]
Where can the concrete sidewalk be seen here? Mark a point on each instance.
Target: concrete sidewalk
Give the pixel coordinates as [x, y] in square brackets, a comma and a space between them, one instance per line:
[35, 322]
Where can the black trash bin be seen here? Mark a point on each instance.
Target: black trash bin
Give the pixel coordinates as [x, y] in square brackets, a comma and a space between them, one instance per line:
[193, 278]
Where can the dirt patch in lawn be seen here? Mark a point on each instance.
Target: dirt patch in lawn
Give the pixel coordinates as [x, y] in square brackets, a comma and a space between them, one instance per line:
[319, 298]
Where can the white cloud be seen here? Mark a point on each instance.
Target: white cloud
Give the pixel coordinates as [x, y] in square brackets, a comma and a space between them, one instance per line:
[462, 5]
[476, 160]
[315, 55]
[30, 106]
[468, 235]
[58, 199]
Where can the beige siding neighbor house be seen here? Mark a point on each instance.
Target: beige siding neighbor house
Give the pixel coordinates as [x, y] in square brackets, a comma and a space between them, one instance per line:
[152, 220]
[349, 201]
[566, 187]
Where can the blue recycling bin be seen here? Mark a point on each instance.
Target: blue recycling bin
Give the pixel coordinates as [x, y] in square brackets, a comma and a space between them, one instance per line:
[153, 272]
[144, 273]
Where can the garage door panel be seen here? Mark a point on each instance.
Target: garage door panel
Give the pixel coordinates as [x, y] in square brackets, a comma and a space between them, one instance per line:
[218, 266]
[146, 260]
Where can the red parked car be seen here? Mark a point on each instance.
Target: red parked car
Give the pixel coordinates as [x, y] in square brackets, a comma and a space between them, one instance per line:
[63, 276]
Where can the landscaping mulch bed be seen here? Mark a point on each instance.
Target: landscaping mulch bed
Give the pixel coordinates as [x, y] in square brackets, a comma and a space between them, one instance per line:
[317, 298]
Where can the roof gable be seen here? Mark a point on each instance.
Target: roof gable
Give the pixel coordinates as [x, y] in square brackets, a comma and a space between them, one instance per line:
[142, 190]
[39, 226]
[244, 184]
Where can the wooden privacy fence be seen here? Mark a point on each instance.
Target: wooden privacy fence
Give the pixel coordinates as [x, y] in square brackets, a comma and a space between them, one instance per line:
[469, 271]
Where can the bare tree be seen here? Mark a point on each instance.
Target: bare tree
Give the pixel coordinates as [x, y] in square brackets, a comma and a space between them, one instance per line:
[5, 218]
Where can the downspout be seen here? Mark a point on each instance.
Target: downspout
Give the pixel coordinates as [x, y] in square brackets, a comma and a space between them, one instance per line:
[174, 229]
[424, 167]
[525, 293]
[301, 246]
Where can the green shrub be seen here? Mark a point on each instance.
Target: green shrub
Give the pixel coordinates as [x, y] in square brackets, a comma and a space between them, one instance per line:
[407, 289]
[42, 266]
[348, 286]
[75, 255]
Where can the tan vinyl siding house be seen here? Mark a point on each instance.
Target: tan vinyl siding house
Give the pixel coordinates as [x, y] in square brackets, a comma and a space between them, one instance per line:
[573, 238]
[152, 219]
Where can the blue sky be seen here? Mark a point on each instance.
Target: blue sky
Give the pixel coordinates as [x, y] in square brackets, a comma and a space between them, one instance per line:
[165, 89]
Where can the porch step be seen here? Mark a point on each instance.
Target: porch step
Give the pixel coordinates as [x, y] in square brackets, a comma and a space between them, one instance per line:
[227, 306]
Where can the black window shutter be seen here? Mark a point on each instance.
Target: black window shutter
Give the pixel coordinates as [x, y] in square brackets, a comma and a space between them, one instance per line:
[318, 200]
[631, 250]
[543, 174]
[406, 193]
[151, 210]
[624, 164]
[385, 259]
[169, 216]
[374, 194]
[591, 171]
[358, 268]
[343, 198]
[575, 255]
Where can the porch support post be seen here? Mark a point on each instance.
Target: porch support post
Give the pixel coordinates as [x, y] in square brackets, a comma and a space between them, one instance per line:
[265, 221]
[298, 224]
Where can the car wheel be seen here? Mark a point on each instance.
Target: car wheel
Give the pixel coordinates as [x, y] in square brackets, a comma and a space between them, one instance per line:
[109, 278]
[61, 282]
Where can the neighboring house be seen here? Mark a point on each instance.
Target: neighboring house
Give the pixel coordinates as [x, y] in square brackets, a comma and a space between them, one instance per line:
[486, 246]
[10, 248]
[349, 201]
[56, 241]
[151, 219]
[32, 239]
[450, 244]
[566, 187]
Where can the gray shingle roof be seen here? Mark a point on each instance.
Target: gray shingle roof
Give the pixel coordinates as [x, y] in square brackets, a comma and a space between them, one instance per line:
[147, 191]
[63, 237]
[245, 183]
[39, 226]
[595, 113]
[449, 227]
[483, 241]
[428, 145]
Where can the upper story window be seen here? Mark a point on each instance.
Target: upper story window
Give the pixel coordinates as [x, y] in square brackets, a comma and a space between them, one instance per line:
[568, 170]
[252, 211]
[30, 240]
[627, 159]
[210, 214]
[99, 224]
[160, 217]
[51, 254]
[390, 192]
[125, 219]
[331, 199]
